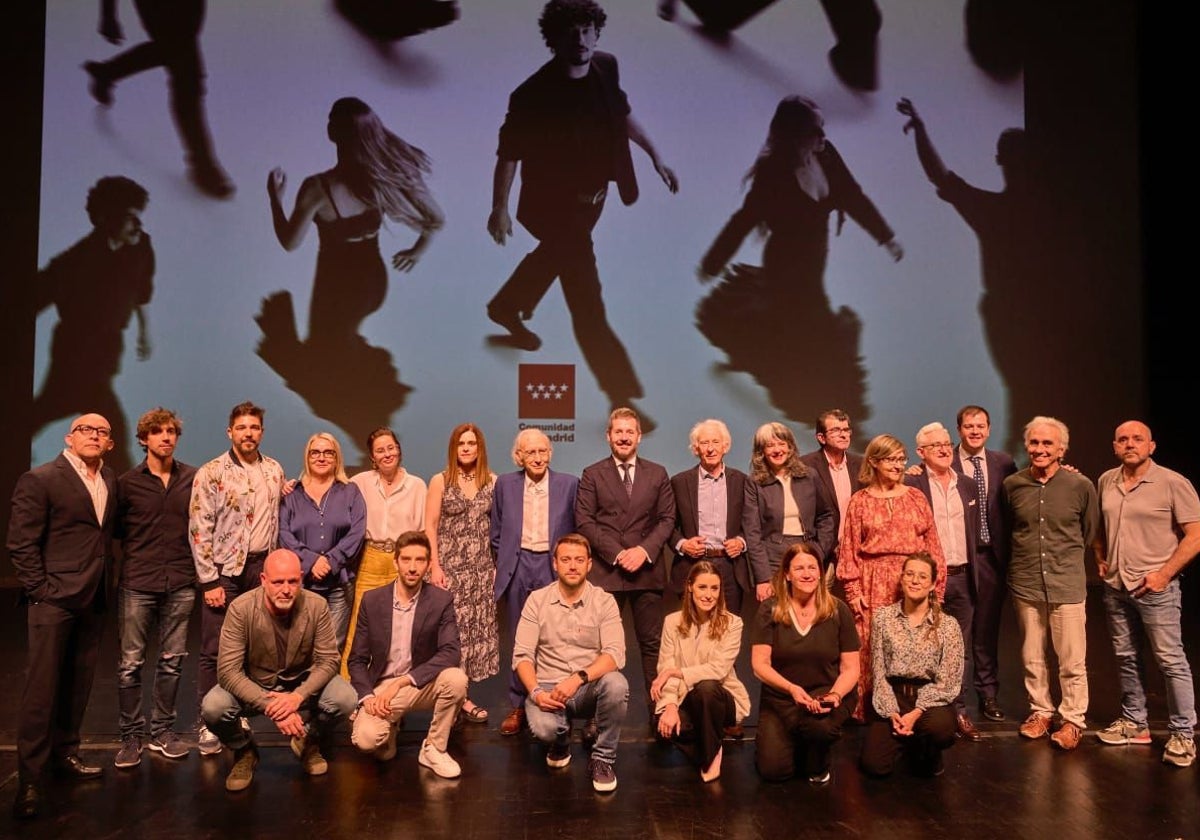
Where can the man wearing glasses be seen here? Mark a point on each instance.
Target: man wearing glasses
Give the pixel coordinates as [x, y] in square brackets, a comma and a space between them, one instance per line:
[835, 466]
[59, 539]
[233, 523]
[955, 504]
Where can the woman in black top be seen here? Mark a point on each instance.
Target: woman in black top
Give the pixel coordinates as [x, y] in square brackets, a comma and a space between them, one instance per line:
[805, 651]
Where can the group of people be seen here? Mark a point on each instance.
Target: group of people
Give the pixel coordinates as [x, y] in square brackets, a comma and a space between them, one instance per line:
[367, 597]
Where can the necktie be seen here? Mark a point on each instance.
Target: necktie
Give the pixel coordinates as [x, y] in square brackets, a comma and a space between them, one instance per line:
[985, 534]
[626, 480]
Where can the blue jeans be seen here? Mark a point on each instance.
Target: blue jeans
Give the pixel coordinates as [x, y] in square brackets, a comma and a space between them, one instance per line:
[606, 698]
[1156, 617]
[138, 613]
[340, 599]
[221, 711]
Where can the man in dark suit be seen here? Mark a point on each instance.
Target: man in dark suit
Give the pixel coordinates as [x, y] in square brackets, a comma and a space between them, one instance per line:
[521, 544]
[834, 465]
[955, 505]
[626, 511]
[709, 505]
[59, 540]
[406, 657]
[569, 126]
[988, 469]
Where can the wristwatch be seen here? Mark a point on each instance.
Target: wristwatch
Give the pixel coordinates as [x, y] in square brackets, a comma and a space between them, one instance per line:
[583, 676]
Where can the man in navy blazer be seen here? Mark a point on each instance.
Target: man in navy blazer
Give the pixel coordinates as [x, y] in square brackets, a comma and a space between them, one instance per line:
[709, 506]
[406, 656]
[835, 466]
[60, 540]
[992, 550]
[626, 510]
[955, 504]
[522, 547]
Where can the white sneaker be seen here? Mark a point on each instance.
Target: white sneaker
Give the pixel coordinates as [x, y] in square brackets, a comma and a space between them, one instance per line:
[438, 761]
[209, 743]
[1180, 751]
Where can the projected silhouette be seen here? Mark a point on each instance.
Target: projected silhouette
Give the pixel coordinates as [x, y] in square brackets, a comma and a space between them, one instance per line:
[174, 29]
[343, 378]
[569, 126]
[391, 20]
[1017, 307]
[994, 32]
[775, 322]
[96, 285]
[855, 24]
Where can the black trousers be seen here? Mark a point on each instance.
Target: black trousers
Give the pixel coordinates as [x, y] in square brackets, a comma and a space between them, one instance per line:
[791, 737]
[211, 621]
[934, 731]
[703, 715]
[647, 609]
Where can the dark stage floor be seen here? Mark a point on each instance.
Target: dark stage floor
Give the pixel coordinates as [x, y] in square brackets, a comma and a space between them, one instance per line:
[1001, 787]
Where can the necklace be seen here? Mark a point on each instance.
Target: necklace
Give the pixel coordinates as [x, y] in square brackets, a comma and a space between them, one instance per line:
[467, 477]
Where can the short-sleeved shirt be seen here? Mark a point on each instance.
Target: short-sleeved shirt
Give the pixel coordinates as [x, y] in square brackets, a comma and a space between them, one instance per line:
[811, 661]
[1143, 525]
[560, 638]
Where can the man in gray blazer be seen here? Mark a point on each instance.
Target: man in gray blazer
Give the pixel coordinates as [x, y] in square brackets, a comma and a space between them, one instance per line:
[278, 657]
[59, 540]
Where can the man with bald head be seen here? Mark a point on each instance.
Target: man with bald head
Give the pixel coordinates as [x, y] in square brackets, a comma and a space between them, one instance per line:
[1151, 518]
[709, 505]
[278, 657]
[59, 540]
[531, 509]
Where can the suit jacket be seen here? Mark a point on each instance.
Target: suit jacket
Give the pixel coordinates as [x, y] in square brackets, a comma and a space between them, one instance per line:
[999, 466]
[817, 462]
[435, 645]
[612, 521]
[540, 132]
[248, 659]
[62, 554]
[764, 529]
[705, 659]
[686, 488]
[508, 518]
[969, 494]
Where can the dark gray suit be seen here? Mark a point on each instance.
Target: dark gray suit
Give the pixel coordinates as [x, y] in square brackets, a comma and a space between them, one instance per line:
[764, 526]
[735, 574]
[819, 464]
[62, 556]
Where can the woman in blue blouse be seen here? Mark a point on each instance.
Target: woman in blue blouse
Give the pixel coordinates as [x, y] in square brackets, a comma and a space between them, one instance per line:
[917, 664]
[323, 520]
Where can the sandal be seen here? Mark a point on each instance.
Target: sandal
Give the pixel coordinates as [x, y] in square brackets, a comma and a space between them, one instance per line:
[475, 714]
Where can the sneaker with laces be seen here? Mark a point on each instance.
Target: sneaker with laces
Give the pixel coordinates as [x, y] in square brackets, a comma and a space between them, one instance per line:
[1180, 750]
[245, 759]
[1124, 731]
[169, 745]
[309, 753]
[604, 777]
[559, 754]
[208, 743]
[1035, 726]
[130, 754]
[1067, 737]
[439, 761]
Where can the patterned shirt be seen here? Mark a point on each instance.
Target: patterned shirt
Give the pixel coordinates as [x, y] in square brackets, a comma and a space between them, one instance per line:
[915, 653]
[222, 514]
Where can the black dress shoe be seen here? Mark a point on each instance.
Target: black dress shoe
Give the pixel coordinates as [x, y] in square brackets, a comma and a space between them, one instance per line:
[28, 802]
[73, 767]
[990, 709]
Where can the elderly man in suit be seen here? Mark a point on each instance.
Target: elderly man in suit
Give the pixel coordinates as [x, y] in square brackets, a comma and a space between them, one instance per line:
[988, 469]
[531, 509]
[835, 466]
[626, 511]
[406, 656]
[278, 657]
[59, 540]
[709, 505]
[955, 504]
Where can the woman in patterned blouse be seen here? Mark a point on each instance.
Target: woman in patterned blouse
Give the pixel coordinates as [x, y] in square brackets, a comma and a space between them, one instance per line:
[917, 660]
[885, 522]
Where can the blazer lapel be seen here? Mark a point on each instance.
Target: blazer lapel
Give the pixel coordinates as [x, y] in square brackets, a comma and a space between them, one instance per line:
[77, 486]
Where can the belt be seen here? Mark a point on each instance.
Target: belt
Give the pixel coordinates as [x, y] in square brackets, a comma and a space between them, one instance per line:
[710, 553]
[381, 545]
[956, 570]
[255, 555]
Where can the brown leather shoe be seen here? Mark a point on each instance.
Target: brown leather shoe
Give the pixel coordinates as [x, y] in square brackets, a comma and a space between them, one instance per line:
[1067, 737]
[1035, 726]
[514, 722]
[967, 730]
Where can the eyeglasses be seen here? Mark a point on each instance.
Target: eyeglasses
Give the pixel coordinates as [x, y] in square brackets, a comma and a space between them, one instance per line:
[919, 577]
[941, 447]
[535, 453]
[88, 431]
[900, 460]
[837, 430]
[387, 450]
[321, 455]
